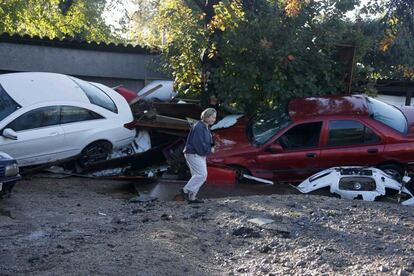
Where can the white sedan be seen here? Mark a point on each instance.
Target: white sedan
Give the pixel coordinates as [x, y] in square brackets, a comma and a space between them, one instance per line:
[47, 117]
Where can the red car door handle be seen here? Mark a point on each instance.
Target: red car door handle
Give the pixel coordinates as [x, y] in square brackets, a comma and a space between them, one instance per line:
[373, 150]
[311, 155]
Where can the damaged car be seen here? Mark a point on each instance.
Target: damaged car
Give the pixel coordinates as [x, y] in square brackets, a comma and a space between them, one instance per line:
[48, 117]
[355, 182]
[9, 174]
[316, 133]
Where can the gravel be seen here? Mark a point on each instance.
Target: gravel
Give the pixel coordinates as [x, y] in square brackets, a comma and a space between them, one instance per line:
[82, 226]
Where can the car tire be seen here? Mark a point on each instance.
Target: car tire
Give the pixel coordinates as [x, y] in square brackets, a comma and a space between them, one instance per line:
[239, 173]
[394, 170]
[97, 151]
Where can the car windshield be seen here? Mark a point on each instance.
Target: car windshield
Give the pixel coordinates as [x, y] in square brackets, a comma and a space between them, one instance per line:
[387, 114]
[266, 125]
[96, 95]
[7, 104]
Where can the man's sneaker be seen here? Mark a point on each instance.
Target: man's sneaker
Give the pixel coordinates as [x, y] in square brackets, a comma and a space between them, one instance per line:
[195, 201]
[184, 195]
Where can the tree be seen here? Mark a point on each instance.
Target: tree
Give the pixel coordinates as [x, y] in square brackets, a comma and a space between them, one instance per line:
[78, 19]
[144, 29]
[254, 54]
[392, 54]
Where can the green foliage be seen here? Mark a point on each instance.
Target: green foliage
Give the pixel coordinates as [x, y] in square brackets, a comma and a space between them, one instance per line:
[79, 19]
[143, 21]
[183, 27]
[392, 33]
[270, 57]
[260, 53]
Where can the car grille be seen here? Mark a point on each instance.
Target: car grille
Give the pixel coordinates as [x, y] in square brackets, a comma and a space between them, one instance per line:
[357, 183]
[2, 171]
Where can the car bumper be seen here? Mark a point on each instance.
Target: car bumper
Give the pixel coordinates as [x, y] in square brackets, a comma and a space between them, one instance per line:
[7, 184]
[7, 179]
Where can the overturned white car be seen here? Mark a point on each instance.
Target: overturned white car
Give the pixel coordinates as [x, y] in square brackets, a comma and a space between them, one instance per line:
[351, 182]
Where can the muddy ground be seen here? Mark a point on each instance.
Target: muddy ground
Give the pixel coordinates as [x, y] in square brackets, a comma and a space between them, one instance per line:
[87, 227]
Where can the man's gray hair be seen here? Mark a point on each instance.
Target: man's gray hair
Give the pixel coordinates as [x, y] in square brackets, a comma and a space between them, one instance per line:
[207, 113]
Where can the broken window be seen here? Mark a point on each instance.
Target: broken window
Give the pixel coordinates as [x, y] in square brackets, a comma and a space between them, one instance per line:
[71, 114]
[350, 132]
[40, 117]
[387, 114]
[301, 136]
[265, 126]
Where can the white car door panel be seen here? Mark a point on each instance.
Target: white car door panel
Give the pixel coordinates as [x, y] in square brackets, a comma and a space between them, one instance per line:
[35, 146]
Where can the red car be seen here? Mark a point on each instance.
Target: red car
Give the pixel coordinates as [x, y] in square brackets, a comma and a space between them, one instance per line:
[317, 133]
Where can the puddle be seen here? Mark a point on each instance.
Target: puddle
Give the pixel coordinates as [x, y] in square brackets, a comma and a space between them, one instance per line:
[121, 190]
[168, 190]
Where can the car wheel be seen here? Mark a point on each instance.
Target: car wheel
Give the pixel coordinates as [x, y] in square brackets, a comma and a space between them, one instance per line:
[239, 173]
[395, 171]
[97, 151]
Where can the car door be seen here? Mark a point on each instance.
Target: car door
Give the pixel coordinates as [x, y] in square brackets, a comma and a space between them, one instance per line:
[80, 125]
[299, 153]
[350, 142]
[39, 137]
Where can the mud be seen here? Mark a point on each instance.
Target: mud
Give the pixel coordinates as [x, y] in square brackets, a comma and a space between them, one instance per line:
[82, 226]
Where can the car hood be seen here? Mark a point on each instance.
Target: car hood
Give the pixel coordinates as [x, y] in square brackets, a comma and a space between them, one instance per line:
[5, 156]
[232, 140]
[409, 114]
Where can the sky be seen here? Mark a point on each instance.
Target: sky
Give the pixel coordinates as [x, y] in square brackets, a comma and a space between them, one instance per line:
[112, 17]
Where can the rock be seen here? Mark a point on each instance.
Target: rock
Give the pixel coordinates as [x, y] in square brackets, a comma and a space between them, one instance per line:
[246, 232]
[302, 221]
[118, 220]
[142, 198]
[300, 263]
[264, 269]
[409, 269]
[198, 215]
[402, 272]
[166, 217]
[34, 259]
[383, 269]
[280, 230]
[136, 211]
[274, 243]
[265, 249]
[287, 264]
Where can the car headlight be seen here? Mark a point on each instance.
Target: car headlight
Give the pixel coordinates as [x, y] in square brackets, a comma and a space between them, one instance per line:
[11, 170]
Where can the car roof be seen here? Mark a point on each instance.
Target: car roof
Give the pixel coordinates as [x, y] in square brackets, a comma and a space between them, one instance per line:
[305, 108]
[35, 87]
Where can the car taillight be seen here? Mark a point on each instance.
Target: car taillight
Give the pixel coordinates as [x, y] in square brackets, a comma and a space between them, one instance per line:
[130, 125]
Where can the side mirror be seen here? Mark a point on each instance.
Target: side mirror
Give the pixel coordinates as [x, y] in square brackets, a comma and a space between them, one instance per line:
[10, 134]
[275, 148]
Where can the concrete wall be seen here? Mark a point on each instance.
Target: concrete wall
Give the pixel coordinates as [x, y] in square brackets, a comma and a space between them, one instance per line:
[110, 68]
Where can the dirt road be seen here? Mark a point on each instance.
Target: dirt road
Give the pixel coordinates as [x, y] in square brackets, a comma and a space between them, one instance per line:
[78, 226]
